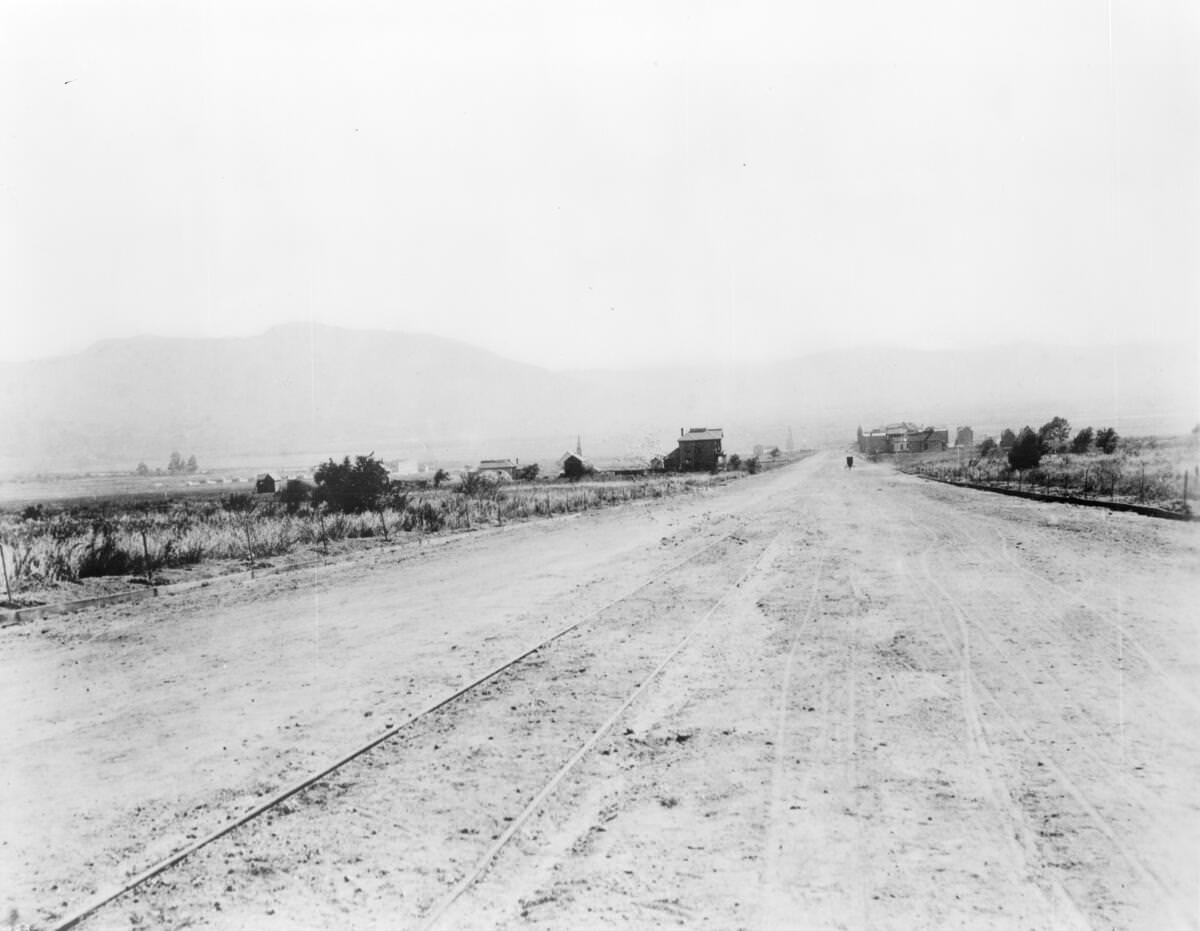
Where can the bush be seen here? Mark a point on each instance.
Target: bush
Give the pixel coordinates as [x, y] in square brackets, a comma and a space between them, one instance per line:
[1106, 440]
[295, 495]
[1026, 452]
[351, 488]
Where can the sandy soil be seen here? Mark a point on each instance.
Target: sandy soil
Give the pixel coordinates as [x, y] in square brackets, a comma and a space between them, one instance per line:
[818, 698]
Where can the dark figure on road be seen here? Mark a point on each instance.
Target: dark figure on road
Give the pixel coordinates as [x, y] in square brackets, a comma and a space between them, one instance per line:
[849, 462]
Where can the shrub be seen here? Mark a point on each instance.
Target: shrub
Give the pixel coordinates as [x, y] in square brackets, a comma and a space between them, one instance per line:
[351, 488]
[295, 495]
[1026, 452]
[1106, 440]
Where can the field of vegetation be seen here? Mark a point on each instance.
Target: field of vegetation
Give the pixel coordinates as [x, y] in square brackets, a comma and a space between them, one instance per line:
[1162, 472]
[140, 540]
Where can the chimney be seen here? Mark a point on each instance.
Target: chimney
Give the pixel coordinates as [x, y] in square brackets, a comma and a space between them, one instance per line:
[681, 431]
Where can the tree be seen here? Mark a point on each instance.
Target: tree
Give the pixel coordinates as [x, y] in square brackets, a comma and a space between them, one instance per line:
[1008, 439]
[1026, 452]
[529, 473]
[440, 476]
[752, 465]
[1106, 440]
[295, 494]
[1083, 440]
[1054, 434]
[987, 447]
[734, 462]
[574, 468]
[142, 469]
[351, 488]
[191, 465]
[175, 463]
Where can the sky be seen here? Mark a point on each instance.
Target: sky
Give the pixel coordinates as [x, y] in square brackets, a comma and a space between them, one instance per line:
[601, 184]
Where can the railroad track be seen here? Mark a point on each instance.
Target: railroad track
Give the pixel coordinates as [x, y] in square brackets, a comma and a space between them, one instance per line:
[443, 908]
[131, 884]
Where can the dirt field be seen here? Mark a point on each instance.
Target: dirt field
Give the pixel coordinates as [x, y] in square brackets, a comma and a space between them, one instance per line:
[818, 698]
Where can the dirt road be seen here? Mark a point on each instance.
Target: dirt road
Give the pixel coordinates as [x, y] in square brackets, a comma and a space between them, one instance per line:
[815, 698]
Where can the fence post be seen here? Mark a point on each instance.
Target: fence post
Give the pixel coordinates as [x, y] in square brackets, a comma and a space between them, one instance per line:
[4, 564]
[1185, 478]
[1142, 487]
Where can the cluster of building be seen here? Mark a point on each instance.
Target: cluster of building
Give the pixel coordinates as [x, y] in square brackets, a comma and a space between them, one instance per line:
[905, 437]
[697, 450]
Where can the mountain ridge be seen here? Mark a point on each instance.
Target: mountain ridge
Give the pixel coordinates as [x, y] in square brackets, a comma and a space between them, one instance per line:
[300, 388]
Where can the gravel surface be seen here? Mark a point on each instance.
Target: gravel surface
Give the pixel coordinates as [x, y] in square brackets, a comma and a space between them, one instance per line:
[815, 698]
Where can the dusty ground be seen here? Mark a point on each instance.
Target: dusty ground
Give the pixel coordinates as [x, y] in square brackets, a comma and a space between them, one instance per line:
[885, 703]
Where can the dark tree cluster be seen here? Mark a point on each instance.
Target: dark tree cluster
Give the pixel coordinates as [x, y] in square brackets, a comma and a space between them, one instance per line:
[1026, 452]
[351, 487]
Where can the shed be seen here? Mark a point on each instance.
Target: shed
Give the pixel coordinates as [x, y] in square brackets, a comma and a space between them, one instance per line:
[264, 484]
[498, 467]
[622, 466]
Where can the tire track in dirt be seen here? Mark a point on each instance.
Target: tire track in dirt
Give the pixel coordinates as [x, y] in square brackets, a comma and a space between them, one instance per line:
[1134, 802]
[773, 845]
[1025, 831]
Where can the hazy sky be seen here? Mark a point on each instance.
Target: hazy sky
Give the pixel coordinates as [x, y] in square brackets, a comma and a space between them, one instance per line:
[604, 183]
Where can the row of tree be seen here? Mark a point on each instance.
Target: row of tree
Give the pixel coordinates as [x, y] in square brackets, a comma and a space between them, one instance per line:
[176, 465]
[1025, 449]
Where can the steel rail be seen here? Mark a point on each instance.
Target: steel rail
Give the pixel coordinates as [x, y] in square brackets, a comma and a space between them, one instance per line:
[484, 863]
[109, 895]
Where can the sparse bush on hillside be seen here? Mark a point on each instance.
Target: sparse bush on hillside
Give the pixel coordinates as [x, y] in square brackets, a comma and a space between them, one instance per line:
[1106, 440]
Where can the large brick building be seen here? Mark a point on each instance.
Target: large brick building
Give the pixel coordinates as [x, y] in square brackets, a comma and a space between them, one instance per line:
[699, 450]
[903, 437]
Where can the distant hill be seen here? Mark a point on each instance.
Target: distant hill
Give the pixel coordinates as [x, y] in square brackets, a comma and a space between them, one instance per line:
[291, 390]
[301, 390]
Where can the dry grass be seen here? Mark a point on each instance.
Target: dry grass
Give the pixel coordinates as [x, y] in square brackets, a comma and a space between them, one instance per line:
[1144, 470]
[77, 543]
